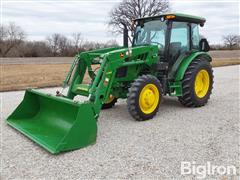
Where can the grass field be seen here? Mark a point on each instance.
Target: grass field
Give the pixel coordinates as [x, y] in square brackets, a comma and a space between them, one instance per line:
[21, 76]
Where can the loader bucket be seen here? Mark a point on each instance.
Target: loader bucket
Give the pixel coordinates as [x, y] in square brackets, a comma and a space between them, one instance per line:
[55, 123]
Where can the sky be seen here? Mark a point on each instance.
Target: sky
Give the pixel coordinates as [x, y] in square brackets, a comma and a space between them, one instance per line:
[41, 18]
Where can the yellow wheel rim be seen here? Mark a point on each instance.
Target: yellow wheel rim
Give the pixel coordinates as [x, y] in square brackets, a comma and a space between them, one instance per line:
[110, 99]
[202, 81]
[149, 98]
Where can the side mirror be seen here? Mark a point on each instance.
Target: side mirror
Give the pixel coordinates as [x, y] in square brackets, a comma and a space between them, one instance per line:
[125, 35]
[203, 45]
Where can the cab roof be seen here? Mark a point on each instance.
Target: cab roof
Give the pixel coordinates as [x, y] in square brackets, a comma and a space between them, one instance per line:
[177, 17]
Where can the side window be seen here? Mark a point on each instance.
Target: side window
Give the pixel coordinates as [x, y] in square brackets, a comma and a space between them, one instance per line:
[195, 36]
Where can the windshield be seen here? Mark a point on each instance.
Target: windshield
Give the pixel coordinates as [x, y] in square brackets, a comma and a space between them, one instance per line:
[151, 32]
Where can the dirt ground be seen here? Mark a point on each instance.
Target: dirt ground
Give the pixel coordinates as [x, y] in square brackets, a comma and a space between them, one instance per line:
[37, 60]
[230, 54]
[225, 54]
[22, 76]
[225, 62]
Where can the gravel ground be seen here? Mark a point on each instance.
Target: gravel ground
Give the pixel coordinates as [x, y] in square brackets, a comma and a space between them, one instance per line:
[139, 150]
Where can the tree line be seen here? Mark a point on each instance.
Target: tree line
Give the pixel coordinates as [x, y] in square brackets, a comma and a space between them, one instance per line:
[13, 43]
[230, 42]
[13, 38]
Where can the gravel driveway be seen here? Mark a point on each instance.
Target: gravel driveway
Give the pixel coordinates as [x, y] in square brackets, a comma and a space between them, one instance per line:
[128, 149]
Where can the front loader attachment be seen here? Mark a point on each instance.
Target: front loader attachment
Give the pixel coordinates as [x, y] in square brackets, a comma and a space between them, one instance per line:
[56, 123]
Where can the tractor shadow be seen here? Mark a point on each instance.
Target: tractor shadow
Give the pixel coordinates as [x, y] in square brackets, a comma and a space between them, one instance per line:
[171, 101]
[120, 111]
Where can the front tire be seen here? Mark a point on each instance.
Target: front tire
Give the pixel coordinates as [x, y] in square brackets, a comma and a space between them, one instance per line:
[197, 83]
[144, 97]
[110, 103]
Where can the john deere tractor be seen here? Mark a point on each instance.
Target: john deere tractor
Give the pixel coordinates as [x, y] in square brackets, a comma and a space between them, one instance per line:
[167, 57]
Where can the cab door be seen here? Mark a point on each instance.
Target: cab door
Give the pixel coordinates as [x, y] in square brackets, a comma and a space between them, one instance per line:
[179, 41]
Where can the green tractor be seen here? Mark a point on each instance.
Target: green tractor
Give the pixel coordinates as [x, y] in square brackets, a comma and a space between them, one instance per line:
[167, 57]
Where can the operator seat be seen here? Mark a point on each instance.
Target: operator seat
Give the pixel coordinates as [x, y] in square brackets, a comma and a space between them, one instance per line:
[174, 51]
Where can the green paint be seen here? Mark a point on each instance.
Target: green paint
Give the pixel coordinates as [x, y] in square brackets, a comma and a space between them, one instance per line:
[55, 123]
[175, 88]
[179, 70]
[61, 124]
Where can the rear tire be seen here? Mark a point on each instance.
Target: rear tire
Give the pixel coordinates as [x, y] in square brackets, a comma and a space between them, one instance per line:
[197, 83]
[144, 97]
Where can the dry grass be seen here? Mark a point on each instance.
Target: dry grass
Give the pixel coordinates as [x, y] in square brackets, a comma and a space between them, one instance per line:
[17, 77]
[225, 62]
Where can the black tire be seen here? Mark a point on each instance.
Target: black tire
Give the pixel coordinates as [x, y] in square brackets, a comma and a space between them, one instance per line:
[109, 105]
[134, 95]
[189, 97]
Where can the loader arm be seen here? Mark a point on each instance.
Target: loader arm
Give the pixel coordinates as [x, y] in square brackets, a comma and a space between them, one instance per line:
[59, 123]
[102, 82]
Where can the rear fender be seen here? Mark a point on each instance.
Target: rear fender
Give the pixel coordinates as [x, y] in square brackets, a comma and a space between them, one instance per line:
[180, 66]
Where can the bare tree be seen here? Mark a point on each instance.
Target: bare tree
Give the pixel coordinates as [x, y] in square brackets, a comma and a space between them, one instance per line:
[58, 44]
[11, 36]
[53, 43]
[34, 49]
[63, 45]
[128, 10]
[231, 41]
[77, 41]
[13, 44]
[90, 45]
[111, 43]
[3, 33]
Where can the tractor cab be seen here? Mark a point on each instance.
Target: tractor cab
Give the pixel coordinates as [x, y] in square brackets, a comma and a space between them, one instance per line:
[174, 34]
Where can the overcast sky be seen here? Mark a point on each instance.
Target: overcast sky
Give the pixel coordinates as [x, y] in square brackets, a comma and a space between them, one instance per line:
[40, 18]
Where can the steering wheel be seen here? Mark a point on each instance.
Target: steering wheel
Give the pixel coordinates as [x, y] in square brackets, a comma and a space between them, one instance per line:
[161, 45]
